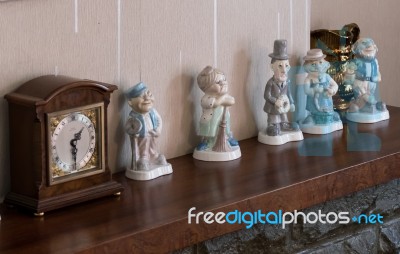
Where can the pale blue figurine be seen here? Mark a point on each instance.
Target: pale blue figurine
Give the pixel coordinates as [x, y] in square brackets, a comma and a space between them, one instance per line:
[279, 101]
[319, 88]
[144, 127]
[363, 75]
[217, 142]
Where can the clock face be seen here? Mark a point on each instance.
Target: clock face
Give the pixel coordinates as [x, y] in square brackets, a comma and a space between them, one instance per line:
[75, 143]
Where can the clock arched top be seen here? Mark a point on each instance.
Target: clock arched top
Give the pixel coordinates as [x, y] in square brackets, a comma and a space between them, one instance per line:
[41, 90]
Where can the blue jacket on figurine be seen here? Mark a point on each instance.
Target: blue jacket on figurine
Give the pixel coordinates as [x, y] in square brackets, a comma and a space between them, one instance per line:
[140, 117]
[362, 73]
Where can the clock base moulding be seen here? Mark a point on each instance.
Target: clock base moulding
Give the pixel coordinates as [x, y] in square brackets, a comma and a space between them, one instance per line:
[39, 207]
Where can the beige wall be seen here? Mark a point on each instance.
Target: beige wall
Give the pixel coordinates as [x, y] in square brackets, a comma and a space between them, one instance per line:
[166, 43]
[378, 20]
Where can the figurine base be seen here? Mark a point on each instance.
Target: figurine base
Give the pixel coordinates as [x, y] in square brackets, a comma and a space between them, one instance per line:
[312, 128]
[155, 172]
[285, 137]
[209, 155]
[360, 117]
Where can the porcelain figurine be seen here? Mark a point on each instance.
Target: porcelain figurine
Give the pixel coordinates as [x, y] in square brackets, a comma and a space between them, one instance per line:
[363, 75]
[217, 142]
[319, 88]
[279, 101]
[144, 127]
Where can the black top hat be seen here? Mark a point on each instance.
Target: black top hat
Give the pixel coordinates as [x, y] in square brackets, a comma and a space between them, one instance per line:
[280, 50]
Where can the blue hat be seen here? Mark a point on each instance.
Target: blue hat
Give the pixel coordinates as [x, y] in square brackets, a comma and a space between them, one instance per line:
[136, 91]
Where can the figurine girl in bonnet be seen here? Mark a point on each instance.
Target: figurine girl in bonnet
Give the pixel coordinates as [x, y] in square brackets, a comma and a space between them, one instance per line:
[215, 118]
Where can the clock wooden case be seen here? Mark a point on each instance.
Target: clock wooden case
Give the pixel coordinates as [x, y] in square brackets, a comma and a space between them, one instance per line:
[58, 143]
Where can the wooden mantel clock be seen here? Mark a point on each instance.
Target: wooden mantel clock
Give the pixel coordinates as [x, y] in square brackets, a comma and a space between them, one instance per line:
[58, 143]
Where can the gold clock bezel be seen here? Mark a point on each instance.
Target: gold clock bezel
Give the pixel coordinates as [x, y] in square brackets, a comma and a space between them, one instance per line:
[95, 112]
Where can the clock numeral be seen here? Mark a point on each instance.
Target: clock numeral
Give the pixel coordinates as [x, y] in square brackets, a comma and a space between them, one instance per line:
[72, 123]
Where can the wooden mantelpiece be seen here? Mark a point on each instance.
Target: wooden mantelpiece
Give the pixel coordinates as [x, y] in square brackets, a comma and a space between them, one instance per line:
[151, 217]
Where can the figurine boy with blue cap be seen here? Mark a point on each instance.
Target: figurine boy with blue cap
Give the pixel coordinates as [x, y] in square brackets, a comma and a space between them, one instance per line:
[144, 124]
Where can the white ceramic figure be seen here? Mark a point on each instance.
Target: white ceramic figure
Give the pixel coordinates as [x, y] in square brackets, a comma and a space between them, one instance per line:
[279, 101]
[144, 127]
[363, 75]
[217, 142]
[319, 88]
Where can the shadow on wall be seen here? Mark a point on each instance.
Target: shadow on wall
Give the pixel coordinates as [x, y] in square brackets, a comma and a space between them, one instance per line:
[121, 138]
[186, 86]
[194, 100]
[248, 86]
[255, 86]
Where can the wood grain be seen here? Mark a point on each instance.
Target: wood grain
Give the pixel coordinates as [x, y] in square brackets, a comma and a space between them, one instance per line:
[151, 217]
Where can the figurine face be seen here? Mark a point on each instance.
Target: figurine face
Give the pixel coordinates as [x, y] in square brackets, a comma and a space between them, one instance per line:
[143, 103]
[219, 87]
[366, 48]
[320, 66]
[280, 69]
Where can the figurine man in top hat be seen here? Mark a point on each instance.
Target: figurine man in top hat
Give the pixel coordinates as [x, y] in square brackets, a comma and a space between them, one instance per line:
[279, 100]
[145, 125]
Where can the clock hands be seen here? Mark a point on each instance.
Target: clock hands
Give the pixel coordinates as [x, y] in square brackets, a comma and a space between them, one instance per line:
[73, 143]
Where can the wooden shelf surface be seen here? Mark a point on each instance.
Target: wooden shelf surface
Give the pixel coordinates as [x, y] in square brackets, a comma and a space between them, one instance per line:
[151, 216]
